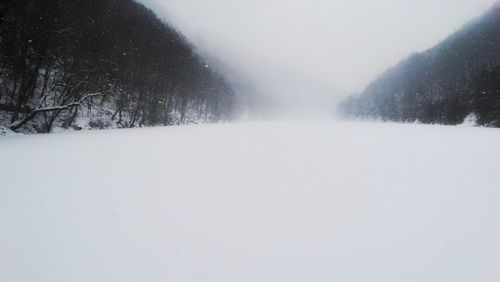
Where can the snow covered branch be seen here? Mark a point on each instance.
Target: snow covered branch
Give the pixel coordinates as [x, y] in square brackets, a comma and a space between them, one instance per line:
[20, 123]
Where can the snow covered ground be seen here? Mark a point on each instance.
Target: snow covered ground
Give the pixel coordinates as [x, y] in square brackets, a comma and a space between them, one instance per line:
[266, 202]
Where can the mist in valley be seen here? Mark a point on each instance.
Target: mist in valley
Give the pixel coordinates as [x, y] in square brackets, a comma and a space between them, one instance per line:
[253, 140]
[299, 59]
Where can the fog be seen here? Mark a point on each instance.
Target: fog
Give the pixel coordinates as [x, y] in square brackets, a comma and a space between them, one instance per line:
[297, 57]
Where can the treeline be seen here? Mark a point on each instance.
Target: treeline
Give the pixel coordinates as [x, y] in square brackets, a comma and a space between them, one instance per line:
[458, 78]
[110, 63]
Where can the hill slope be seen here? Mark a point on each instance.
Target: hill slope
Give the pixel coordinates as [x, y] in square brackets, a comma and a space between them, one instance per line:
[252, 202]
[98, 64]
[445, 84]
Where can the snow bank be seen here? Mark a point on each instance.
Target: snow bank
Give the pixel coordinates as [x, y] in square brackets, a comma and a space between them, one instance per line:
[253, 202]
[4, 131]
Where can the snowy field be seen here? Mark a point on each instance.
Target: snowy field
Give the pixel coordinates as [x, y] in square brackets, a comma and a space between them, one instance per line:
[252, 202]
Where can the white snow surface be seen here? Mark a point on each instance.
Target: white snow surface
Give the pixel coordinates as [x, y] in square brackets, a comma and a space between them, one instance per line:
[266, 202]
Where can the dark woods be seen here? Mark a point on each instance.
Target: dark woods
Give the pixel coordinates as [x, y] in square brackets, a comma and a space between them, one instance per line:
[458, 78]
[99, 64]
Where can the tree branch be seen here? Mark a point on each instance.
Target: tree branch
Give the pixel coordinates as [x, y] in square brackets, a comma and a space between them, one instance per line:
[20, 123]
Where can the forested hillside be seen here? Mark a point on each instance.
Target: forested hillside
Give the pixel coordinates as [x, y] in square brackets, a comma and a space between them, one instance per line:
[100, 64]
[445, 84]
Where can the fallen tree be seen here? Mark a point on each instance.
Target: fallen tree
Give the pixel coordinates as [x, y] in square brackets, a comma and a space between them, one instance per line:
[20, 123]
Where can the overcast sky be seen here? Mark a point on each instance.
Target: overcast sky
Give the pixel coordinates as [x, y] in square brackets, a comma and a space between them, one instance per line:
[344, 42]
